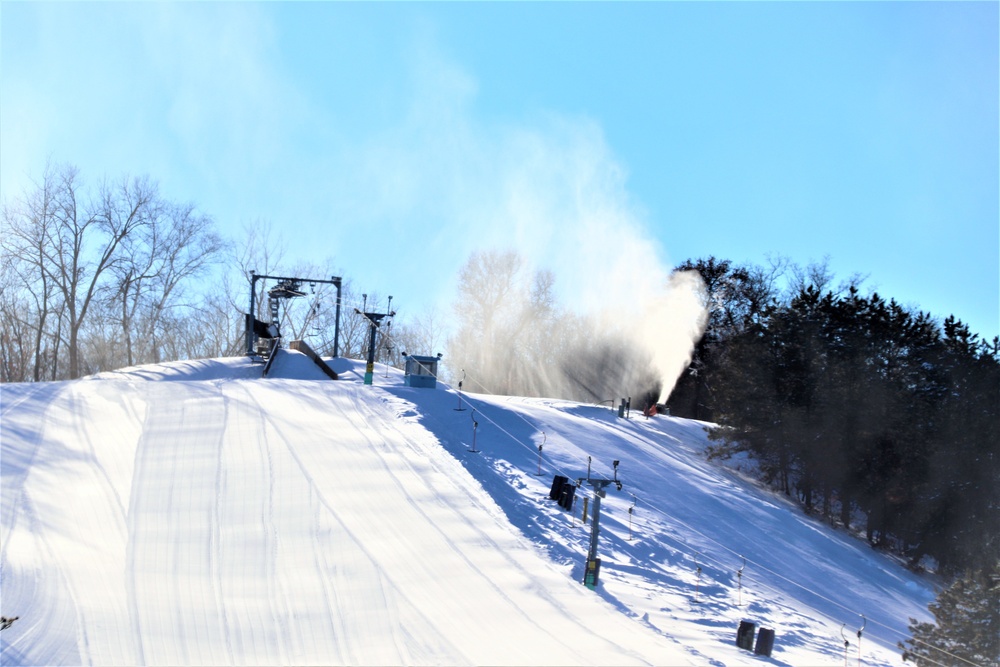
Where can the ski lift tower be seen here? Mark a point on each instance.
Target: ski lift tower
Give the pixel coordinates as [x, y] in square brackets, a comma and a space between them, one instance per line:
[593, 567]
[374, 320]
[287, 288]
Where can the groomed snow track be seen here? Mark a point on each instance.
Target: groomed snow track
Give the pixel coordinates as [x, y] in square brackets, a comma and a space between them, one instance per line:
[227, 520]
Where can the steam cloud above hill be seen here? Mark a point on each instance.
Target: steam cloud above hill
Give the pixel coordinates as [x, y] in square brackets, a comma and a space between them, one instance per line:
[515, 339]
[552, 191]
[621, 322]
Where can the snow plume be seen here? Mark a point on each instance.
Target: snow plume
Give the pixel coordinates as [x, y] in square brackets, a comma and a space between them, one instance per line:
[550, 187]
[586, 307]
[515, 338]
[671, 324]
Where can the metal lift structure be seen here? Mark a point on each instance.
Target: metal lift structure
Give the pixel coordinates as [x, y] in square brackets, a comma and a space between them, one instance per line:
[262, 337]
[592, 569]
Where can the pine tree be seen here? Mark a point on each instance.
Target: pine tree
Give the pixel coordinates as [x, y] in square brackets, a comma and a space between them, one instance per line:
[736, 297]
[967, 624]
[860, 402]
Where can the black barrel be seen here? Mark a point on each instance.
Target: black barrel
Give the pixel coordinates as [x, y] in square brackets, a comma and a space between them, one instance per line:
[744, 636]
[557, 486]
[765, 642]
[567, 495]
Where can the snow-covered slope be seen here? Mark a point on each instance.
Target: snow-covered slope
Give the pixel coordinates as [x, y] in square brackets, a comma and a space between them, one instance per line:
[194, 513]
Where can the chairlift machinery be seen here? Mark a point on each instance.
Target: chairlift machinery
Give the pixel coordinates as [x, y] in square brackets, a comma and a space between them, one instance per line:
[261, 337]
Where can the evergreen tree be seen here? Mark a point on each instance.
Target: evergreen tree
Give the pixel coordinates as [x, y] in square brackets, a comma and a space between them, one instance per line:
[963, 527]
[966, 628]
[853, 400]
[735, 298]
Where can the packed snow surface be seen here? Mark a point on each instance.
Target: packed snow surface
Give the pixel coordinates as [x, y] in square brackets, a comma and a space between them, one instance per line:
[195, 513]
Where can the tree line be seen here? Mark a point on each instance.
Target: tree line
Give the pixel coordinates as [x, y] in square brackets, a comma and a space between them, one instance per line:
[95, 277]
[874, 415]
[82, 266]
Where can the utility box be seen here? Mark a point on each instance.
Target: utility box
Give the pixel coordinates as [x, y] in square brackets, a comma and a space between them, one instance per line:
[421, 371]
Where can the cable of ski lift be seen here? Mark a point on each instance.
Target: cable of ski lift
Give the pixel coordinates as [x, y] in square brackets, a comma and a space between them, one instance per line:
[519, 416]
[688, 527]
[719, 544]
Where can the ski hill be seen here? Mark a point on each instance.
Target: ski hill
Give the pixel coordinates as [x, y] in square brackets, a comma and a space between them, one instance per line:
[195, 513]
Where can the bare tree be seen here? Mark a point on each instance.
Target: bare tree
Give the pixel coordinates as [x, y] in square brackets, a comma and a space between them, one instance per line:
[103, 278]
[488, 306]
[17, 334]
[87, 241]
[219, 331]
[29, 224]
[513, 338]
[506, 320]
[176, 245]
[420, 334]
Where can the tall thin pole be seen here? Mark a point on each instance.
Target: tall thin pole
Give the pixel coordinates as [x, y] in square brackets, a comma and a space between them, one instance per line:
[864, 623]
[251, 320]
[739, 583]
[592, 569]
[595, 527]
[847, 642]
[475, 427]
[336, 324]
[630, 510]
[460, 408]
[370, 367]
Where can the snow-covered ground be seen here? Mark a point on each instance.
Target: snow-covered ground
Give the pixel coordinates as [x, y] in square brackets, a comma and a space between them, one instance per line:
[194, 513]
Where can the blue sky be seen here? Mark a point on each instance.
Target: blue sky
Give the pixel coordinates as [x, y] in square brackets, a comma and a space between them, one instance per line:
[391, 140]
